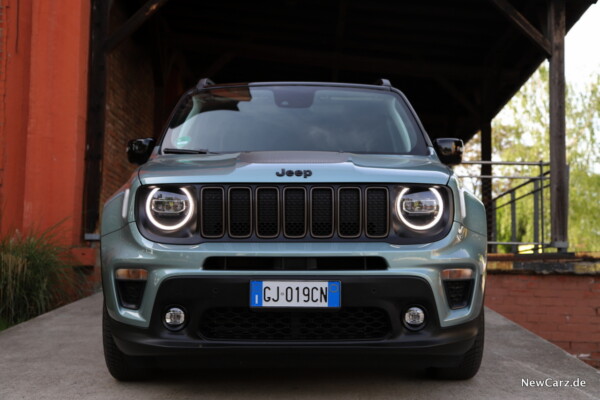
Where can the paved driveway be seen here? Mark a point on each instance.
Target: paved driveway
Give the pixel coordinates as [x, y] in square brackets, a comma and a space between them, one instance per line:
[59, 356]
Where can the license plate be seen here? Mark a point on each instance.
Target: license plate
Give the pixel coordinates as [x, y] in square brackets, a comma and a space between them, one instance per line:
[296, 294]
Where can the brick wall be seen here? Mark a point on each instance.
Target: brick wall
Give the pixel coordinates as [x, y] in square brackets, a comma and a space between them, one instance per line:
[2, 90]
[564, 309]
[129, 106]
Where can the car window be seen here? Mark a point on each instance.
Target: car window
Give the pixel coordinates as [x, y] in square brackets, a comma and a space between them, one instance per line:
[295, 118]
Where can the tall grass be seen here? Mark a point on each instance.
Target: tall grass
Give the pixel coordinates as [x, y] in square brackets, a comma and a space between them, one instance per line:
[34, 276]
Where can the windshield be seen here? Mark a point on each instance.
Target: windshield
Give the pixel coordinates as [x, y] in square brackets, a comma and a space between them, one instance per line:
[294, 118]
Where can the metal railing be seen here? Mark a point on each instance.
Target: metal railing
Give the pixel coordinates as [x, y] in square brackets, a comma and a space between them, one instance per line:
[533, 187]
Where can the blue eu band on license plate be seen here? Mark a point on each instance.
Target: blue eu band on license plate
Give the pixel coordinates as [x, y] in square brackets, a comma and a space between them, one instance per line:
[296, 294]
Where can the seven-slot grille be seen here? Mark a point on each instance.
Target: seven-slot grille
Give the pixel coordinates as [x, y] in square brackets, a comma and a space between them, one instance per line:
[294, 212]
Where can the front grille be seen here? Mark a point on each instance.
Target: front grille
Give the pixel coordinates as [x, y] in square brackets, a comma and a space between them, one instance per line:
[212, 212]
[349, 215]
[267, 212]
[458, 292]
[240, 212]
[246, 324]
[295, 263]
[377, 210]
[322, 212]
[294, 212]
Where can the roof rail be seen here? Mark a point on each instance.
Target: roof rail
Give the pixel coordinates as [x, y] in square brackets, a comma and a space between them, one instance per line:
[383, 82]
[204, 82]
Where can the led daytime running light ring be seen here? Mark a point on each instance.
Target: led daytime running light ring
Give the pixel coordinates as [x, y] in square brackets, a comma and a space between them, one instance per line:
[169, 227]
[437, 218]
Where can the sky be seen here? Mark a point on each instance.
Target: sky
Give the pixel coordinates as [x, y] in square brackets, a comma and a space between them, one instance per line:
[582, 47]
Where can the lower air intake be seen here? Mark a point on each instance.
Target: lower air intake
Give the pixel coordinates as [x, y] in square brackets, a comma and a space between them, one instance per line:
[245, 324]
[458, 292]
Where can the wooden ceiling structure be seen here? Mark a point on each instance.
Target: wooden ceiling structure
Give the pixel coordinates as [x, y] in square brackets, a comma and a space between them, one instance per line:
[458, 62]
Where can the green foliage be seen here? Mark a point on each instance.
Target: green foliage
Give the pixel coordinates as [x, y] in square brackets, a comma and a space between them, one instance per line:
[584, 210]
[34, 274]
[521, 133]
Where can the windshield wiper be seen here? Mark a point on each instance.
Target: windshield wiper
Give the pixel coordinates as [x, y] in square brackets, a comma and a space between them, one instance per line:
[187, 151]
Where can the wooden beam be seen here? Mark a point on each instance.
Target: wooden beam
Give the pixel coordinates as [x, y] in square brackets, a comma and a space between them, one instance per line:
[133, 23]
[452, 90]
[457, 94]
[486, 170]
[339, 38]
[293, 29]
[95, 117]
[389, 40]
[432, 118]
[357, 43]
[218, 65]
[416, 9]
[521, 23]
[325, 59]
[559, 173]
[159, 56]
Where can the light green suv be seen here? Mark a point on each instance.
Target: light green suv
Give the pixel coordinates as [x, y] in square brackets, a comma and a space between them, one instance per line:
[313, 220]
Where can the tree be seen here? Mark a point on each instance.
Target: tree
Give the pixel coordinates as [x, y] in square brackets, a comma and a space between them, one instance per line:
[521, 133]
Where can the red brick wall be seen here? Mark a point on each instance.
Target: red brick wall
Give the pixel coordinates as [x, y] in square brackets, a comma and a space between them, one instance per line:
[564, 309]
[43, 108]
[2, 91]
[129, 106]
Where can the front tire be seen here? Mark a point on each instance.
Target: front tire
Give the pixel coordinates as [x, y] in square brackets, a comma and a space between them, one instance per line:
[121, 366]
[471, 361]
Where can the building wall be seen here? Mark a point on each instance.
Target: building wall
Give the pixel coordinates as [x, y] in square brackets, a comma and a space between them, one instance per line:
[43, 112]
[15, 61]
[2, 89]
[44, 55]
[564, 309]
[129, 106]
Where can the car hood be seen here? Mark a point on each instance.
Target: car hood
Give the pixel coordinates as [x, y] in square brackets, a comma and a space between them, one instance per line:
[267, 166]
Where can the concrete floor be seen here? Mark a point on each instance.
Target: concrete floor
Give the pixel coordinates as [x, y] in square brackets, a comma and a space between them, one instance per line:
[59, 356]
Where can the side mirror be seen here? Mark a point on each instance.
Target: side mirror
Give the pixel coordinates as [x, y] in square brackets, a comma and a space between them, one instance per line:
[449, 151]
[139, 150]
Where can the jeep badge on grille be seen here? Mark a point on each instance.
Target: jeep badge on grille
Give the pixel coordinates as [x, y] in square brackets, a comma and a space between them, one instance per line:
[306, 173]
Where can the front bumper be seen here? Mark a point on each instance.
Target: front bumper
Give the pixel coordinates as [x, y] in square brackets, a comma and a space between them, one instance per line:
[126, 248]
[433, 345]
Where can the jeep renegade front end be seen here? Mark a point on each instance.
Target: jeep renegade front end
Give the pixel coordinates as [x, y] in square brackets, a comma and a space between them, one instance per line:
[294, 218]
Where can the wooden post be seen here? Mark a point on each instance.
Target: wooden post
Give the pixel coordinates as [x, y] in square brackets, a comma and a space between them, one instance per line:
[486, 169]
[95, 121]
[559, 184]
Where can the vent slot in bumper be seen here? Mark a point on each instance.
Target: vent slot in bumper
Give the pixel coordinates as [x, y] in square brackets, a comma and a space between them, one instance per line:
[295, 263]
[458, 292]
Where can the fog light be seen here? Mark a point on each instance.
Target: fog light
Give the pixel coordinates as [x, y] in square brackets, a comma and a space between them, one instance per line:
[175, 318]
[414, 318]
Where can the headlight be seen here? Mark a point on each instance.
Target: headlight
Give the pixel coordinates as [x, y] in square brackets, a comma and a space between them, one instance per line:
[420, 208]
[170, 209]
